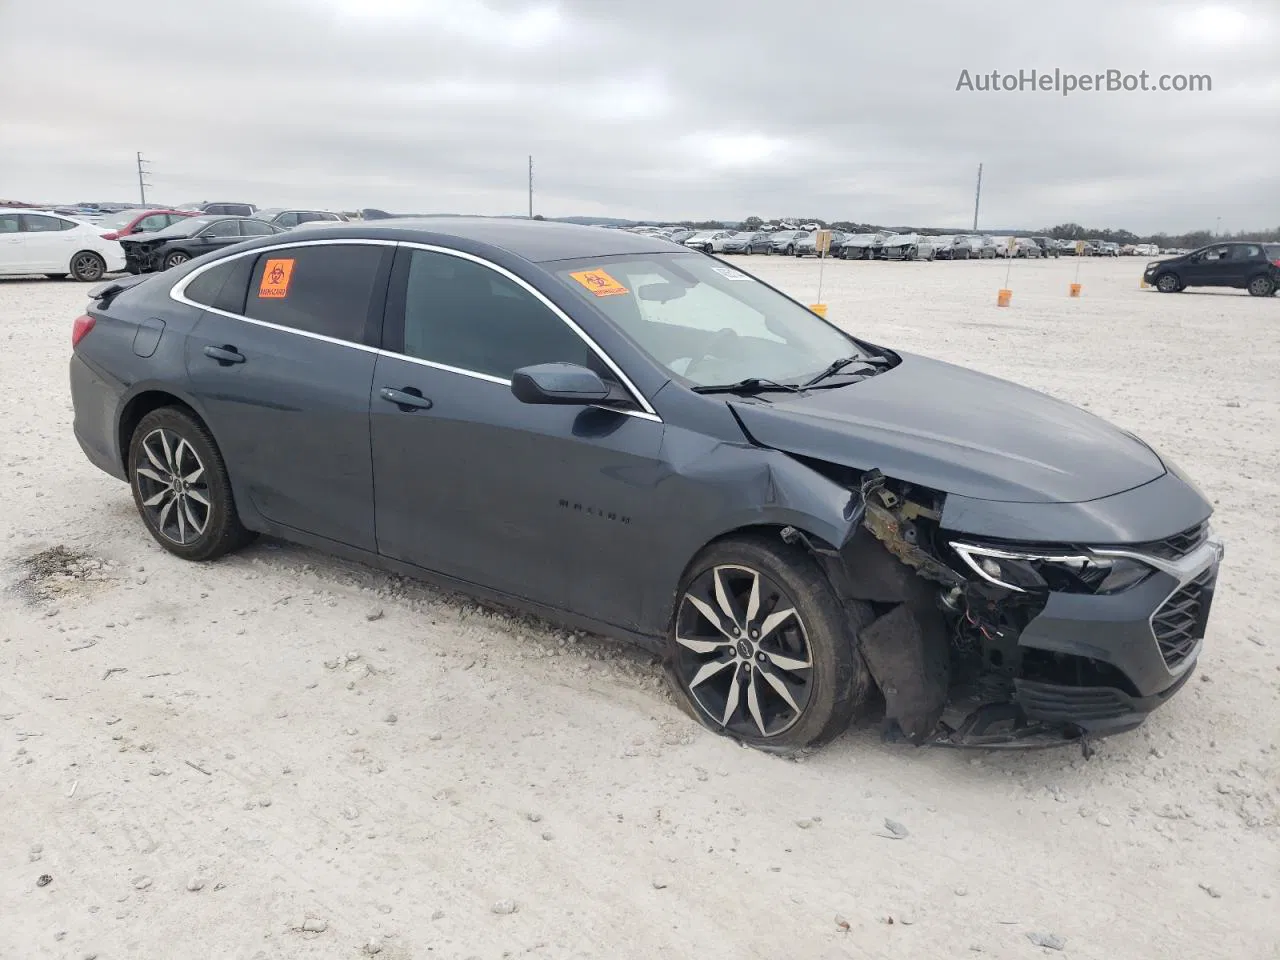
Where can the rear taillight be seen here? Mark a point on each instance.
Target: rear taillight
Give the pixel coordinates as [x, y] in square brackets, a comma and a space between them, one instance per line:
[1276, 262]
[111, 236]
[80, 329]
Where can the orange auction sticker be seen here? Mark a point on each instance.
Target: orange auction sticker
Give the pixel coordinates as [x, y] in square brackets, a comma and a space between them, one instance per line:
[599, 283]
[275, 280]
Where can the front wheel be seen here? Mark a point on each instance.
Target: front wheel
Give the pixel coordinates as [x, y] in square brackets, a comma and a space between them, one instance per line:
[1261, 287]
[87, 266]
[761, 650]
[180, 486]
[1168, 283]
[175, 259]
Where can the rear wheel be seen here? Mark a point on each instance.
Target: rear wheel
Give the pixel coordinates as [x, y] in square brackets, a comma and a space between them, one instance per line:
[87, 266]
[1262, 287]
[180, 486]
[1168, 283]
[760, 648]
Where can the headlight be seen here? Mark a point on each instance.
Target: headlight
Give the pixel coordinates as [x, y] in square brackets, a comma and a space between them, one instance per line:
[1030, 572]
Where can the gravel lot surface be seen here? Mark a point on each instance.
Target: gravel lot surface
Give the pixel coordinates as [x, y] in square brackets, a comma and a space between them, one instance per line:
[282, 755]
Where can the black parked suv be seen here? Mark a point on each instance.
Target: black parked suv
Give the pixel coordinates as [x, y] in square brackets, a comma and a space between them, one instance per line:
[1248, 266]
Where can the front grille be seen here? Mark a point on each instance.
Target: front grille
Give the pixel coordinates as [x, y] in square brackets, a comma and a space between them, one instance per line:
[1179, 623]
[1177, 546]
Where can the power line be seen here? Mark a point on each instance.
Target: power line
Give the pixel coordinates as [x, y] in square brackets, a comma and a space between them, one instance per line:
[530, 186]
[976, 198]
[142, 183]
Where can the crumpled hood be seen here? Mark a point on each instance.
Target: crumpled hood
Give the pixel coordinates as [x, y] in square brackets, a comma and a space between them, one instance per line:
[957, 431]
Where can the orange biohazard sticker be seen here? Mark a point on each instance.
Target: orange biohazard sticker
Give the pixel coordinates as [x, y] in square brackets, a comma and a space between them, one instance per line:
[275, 280]
[599, 283]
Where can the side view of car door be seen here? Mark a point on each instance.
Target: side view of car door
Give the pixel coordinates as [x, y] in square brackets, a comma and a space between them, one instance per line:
[541, 502]
[49, 242]
[281, 363]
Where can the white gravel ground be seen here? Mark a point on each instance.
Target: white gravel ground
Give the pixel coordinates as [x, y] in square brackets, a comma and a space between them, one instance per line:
[282, 755]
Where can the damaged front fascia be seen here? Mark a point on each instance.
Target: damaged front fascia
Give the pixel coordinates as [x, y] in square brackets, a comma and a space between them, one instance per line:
[907, 647]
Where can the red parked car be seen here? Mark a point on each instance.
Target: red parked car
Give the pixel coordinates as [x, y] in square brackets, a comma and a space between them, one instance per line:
[128, 222]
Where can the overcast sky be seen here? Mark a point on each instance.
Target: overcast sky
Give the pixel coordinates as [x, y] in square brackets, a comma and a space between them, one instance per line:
[656, 109]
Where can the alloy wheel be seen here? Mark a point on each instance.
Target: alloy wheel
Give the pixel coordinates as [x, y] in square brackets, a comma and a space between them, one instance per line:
[743, 652]
[1261, 286]
[87, 267]
[175, 260]
[173, 487]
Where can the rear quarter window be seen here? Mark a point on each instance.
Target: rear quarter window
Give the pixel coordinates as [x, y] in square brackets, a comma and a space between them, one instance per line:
[223, 285]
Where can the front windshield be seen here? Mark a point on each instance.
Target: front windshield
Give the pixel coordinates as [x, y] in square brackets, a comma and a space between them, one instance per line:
[707, 322]
[117, 220]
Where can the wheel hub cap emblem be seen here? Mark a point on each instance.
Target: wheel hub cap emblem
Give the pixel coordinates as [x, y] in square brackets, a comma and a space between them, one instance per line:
[744, 649]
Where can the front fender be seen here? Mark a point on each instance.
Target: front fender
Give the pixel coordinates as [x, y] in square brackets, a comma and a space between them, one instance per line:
[711, 488]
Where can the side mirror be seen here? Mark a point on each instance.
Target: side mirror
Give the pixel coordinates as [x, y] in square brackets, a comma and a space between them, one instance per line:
[560, 383]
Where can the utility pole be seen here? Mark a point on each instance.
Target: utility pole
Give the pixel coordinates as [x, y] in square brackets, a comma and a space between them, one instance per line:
[531, 187]
[976, 198]
[142, 183]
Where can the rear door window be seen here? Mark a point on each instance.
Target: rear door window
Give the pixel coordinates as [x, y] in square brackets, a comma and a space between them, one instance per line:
[40, 223]
[327, 290]
[8, 223]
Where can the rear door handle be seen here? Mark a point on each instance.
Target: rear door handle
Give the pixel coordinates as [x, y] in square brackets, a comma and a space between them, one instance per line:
[225, 355]
[407, 399]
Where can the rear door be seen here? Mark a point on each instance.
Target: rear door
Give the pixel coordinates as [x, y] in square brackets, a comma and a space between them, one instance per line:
[49, 242]
[1245, 262]
[281, 364]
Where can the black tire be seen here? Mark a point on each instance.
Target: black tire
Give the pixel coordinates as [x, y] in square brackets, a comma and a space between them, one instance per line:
[175, 259]
[88, 267]
[1261, 286]
[829, 691]
[167, 443]
[1168, 283]
[791, 251]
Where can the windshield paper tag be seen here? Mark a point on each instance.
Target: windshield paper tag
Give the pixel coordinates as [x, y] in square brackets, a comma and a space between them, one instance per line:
[730, 273]
[275, 280]
[599, 283]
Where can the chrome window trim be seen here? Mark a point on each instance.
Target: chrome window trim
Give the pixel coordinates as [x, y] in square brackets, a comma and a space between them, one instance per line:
[177, 293]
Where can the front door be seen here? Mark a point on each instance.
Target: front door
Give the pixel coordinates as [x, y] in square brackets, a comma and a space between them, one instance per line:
[536, 501]
[1208, 268]
[284, 382]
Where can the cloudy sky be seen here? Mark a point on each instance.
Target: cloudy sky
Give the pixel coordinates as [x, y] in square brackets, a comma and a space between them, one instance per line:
[845, 109]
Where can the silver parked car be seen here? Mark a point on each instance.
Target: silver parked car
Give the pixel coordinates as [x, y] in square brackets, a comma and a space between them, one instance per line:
[907, 246]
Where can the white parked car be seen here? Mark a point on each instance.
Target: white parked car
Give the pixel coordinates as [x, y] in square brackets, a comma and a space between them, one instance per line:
[33, 242]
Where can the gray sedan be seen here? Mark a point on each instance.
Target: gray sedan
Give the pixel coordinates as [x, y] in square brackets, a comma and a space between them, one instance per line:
[624, 435]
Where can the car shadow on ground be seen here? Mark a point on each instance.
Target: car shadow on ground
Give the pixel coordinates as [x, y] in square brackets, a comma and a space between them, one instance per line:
[636, 667]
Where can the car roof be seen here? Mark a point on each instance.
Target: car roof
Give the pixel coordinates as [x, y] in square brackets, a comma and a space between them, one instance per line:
[537, 241]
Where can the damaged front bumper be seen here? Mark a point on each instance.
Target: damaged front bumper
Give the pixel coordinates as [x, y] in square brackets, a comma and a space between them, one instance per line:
[139, 258]
[965, 656]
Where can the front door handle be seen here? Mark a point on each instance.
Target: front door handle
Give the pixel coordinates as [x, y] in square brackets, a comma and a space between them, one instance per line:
[407, 399]
[225, 355]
